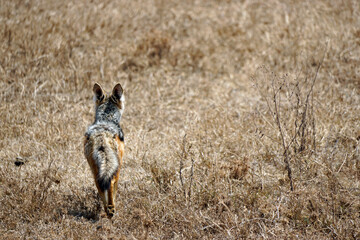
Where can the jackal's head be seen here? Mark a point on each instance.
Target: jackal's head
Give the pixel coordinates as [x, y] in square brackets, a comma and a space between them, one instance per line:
[109, 107]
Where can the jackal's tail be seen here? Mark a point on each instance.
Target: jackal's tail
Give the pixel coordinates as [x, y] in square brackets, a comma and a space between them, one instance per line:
[105, 155]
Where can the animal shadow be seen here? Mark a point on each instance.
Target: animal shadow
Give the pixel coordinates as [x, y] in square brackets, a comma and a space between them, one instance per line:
[88, 207]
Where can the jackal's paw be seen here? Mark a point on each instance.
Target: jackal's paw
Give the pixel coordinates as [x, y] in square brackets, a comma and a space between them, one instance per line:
[110, 211]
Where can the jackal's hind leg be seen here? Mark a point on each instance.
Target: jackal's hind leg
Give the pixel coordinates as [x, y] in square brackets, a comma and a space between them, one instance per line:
[103, 196]
[110, 210]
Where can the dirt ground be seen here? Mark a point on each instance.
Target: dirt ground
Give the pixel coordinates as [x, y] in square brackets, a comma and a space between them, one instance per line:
[242, 118]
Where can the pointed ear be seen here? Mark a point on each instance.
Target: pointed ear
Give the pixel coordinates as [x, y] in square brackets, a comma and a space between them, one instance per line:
[117, 93]
[99, 93]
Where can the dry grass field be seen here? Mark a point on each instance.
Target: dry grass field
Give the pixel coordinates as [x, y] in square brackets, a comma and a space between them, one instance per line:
[242, 118]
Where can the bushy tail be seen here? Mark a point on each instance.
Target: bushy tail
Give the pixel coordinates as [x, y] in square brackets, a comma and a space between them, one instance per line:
[106, 158]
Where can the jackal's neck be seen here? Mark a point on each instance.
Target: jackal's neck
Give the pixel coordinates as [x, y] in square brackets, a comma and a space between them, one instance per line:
[108, 112]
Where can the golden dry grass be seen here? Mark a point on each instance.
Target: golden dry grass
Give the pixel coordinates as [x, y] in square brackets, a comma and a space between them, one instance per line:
[204, 155]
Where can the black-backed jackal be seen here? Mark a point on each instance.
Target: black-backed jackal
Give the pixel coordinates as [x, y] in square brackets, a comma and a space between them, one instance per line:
[104, 144]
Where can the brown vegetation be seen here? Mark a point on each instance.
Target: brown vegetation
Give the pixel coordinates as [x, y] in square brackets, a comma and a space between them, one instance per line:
[242, 118]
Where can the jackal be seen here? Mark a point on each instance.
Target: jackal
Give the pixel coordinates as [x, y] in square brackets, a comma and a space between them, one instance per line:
[104, 144]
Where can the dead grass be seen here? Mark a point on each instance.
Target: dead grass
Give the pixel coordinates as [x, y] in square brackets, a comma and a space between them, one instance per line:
[204, 154]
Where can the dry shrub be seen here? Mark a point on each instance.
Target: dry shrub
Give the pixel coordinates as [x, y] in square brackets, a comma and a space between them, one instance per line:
[289, 111]
[289, 118]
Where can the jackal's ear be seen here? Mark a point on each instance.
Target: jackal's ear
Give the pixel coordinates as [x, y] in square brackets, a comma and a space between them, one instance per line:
[99, 93]
[117, 93]
[118, 97]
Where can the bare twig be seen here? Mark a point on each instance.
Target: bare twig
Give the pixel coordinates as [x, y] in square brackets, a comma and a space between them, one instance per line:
[182, 164]
[191, 178]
